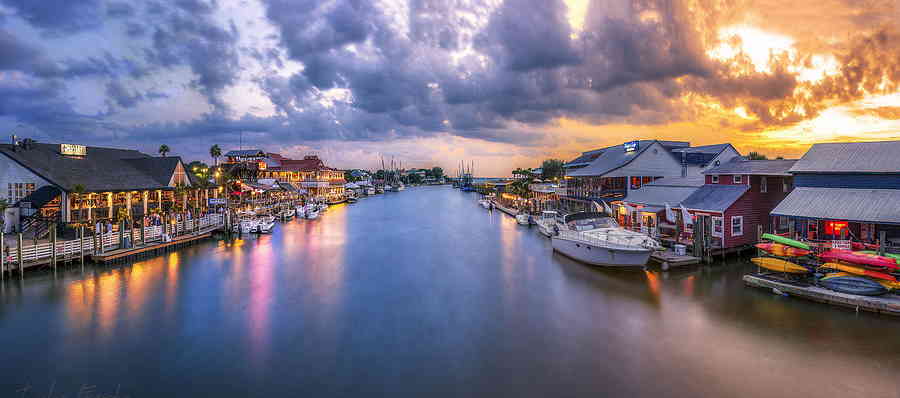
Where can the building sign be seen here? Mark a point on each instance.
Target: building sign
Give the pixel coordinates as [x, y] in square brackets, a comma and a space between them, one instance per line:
[216, 201]
[73, 150]
[632, 146]
[841, 245]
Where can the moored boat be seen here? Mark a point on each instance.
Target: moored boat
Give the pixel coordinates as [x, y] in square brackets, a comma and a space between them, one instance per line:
[779, 265]
[850, 284]
[523, 218]
[781, 250]
[786, 241]
[857, 258]
[546, 222]
[597, 239]
[859, 271]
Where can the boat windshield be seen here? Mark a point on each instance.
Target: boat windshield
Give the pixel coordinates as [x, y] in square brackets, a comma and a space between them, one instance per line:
[593, 223]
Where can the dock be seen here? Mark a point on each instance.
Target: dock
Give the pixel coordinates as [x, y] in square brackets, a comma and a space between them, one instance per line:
[888, 304]
[121, 254]
[668, 259]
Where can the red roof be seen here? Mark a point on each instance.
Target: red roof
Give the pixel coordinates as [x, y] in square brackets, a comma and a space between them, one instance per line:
[308, 163]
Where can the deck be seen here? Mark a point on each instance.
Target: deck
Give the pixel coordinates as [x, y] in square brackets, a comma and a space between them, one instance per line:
[888, 304]
[668, 259]
[120, 254]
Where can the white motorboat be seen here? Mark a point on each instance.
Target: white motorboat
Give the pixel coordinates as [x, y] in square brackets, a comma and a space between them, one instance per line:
[248, 225]
[546, 222]
[265, 225]
[485, 203]
[287, 214]
[596, 239]
[523, 218]
[370, 191]
[312, 214]
[300, 211]
[388, 188]
[323, 206]
[400, 187]
[379, 190]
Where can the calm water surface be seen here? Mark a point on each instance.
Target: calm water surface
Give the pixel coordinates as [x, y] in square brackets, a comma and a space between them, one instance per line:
[424, 293]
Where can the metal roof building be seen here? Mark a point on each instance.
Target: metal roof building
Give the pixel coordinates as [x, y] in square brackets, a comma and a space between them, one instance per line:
[858, 205]
[742, 166]
[716, 198]
[851, 157]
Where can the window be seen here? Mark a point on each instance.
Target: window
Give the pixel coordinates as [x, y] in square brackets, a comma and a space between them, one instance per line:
[737, 225]
[718, 227]
[763, 185]
[715, 179]
[738, 179]
[18, 191]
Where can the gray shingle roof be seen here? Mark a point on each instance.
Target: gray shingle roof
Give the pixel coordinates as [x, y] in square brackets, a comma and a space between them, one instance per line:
[714, 197]
[862, 205]
[610, 160]
[851, 157]
[740, 165]
[659, 195]
[103, 169]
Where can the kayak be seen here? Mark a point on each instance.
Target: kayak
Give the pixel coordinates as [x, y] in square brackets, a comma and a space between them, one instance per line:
[859, 271]
[853, 285]
[889, 285]
[775, 264]
[782, 250]
[888, 255]
[786, 241]
[857, 258]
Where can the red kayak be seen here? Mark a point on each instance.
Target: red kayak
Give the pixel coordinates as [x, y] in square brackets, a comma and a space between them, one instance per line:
[857, 258]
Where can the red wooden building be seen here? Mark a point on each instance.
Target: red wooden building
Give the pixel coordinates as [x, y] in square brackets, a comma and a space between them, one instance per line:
[738, 197]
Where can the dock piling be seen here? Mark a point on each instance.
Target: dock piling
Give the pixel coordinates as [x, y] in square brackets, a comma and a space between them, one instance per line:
[81, 246]
[53, 246]
[19, 257]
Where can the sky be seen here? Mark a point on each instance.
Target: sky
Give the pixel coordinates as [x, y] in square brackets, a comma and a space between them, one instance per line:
[498, 83]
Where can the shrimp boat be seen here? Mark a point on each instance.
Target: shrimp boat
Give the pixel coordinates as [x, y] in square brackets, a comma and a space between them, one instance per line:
[546, 222]
[596, 239]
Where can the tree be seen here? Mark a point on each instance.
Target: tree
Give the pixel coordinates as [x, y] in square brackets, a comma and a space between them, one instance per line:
[521, 172]
[757, 156]
[215, 152]
[163, 150]
[437, 172]
[77, 191]
[552, 169]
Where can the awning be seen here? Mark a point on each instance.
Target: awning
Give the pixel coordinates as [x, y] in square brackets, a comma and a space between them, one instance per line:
[40, 197]
[877, 206]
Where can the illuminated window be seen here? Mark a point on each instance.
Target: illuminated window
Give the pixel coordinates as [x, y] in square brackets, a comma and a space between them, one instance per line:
[715, 179]
[738, 179]
[835, 227]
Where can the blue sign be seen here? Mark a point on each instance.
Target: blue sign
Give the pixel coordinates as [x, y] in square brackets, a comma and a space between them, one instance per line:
[632, 146]
[216, 201]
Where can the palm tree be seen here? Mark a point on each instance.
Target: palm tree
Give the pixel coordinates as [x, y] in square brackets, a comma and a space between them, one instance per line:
[163, 150]
[77, 191]
[215, 152]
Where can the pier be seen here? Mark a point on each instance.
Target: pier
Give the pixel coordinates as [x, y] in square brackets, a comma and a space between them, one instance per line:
[888, 304]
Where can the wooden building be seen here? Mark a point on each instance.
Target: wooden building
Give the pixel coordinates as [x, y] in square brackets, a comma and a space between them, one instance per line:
[737, 198]
[845, 191]
[310, 173]
[67, 183]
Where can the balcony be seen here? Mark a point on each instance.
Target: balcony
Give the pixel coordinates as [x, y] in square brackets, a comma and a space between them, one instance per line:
[315, 184]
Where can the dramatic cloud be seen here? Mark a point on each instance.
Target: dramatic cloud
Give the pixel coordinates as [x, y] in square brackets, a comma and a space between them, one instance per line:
[535, 77]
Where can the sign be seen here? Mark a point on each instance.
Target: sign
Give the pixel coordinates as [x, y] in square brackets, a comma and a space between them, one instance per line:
[841, 245]
[73, 150]
[632, 146]
[216, 201]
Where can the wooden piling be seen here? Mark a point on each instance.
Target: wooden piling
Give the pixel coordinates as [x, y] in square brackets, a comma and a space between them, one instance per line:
[19, 257]
[53, 246]
[81, 246]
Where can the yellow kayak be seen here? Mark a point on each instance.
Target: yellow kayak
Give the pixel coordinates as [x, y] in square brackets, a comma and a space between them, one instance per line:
[860, 271]
[889, 285]
[778, 265]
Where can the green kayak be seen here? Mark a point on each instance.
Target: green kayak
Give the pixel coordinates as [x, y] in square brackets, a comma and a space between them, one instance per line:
[888, 255]
[786, 241]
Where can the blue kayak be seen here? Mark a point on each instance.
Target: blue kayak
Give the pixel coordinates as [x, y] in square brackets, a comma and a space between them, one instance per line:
[853, 285]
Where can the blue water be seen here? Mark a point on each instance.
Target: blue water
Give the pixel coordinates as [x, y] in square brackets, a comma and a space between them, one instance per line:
[424, 293]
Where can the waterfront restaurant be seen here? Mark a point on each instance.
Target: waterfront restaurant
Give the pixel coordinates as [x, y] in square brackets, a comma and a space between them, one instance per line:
[646, 208]
[844, 191]
[71, 183]
[310, 173]
[609, 174]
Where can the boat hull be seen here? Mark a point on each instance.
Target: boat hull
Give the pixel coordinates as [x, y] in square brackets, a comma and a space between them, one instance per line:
[600, 256]
[782, 250]
[861, 259]
[853, 285]
[859, 271]
[786, 241]
[777, 265]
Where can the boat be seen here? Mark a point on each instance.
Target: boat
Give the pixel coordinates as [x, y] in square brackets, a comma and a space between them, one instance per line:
[484, 203]
[351, 199]
[370, 191]
[546, 222]
[779, 265]
[861, 259]
[843, 283]
[265, 225]
[786, 241]
[379, 190]
[782, 250]
[287, 214]
[312, 211]
[596, 239]
[322, 206]
[388, 188]
[859, 271]
[888, 255]
[300, 211]
[248, 225]
[523, 218]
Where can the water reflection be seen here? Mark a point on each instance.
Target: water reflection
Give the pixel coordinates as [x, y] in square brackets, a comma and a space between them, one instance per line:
[424, 293]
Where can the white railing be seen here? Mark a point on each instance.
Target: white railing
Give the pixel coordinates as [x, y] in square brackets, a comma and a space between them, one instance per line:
[68, 249]
[610, 240]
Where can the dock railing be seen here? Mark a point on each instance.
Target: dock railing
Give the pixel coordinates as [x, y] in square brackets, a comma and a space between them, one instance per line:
[69, 249]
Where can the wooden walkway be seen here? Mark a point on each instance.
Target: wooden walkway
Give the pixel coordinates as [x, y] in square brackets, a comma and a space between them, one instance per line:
[121, 254]
[668, 259]
[887, 304]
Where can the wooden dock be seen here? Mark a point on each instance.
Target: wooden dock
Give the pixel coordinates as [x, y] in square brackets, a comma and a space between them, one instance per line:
[121, 254]
[888, 304]
[668, 259]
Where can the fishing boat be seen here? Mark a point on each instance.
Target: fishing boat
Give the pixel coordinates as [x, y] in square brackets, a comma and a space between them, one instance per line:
[546, 222]
[596, 239]
[778, 265]
[843, 283]
[781, 250]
